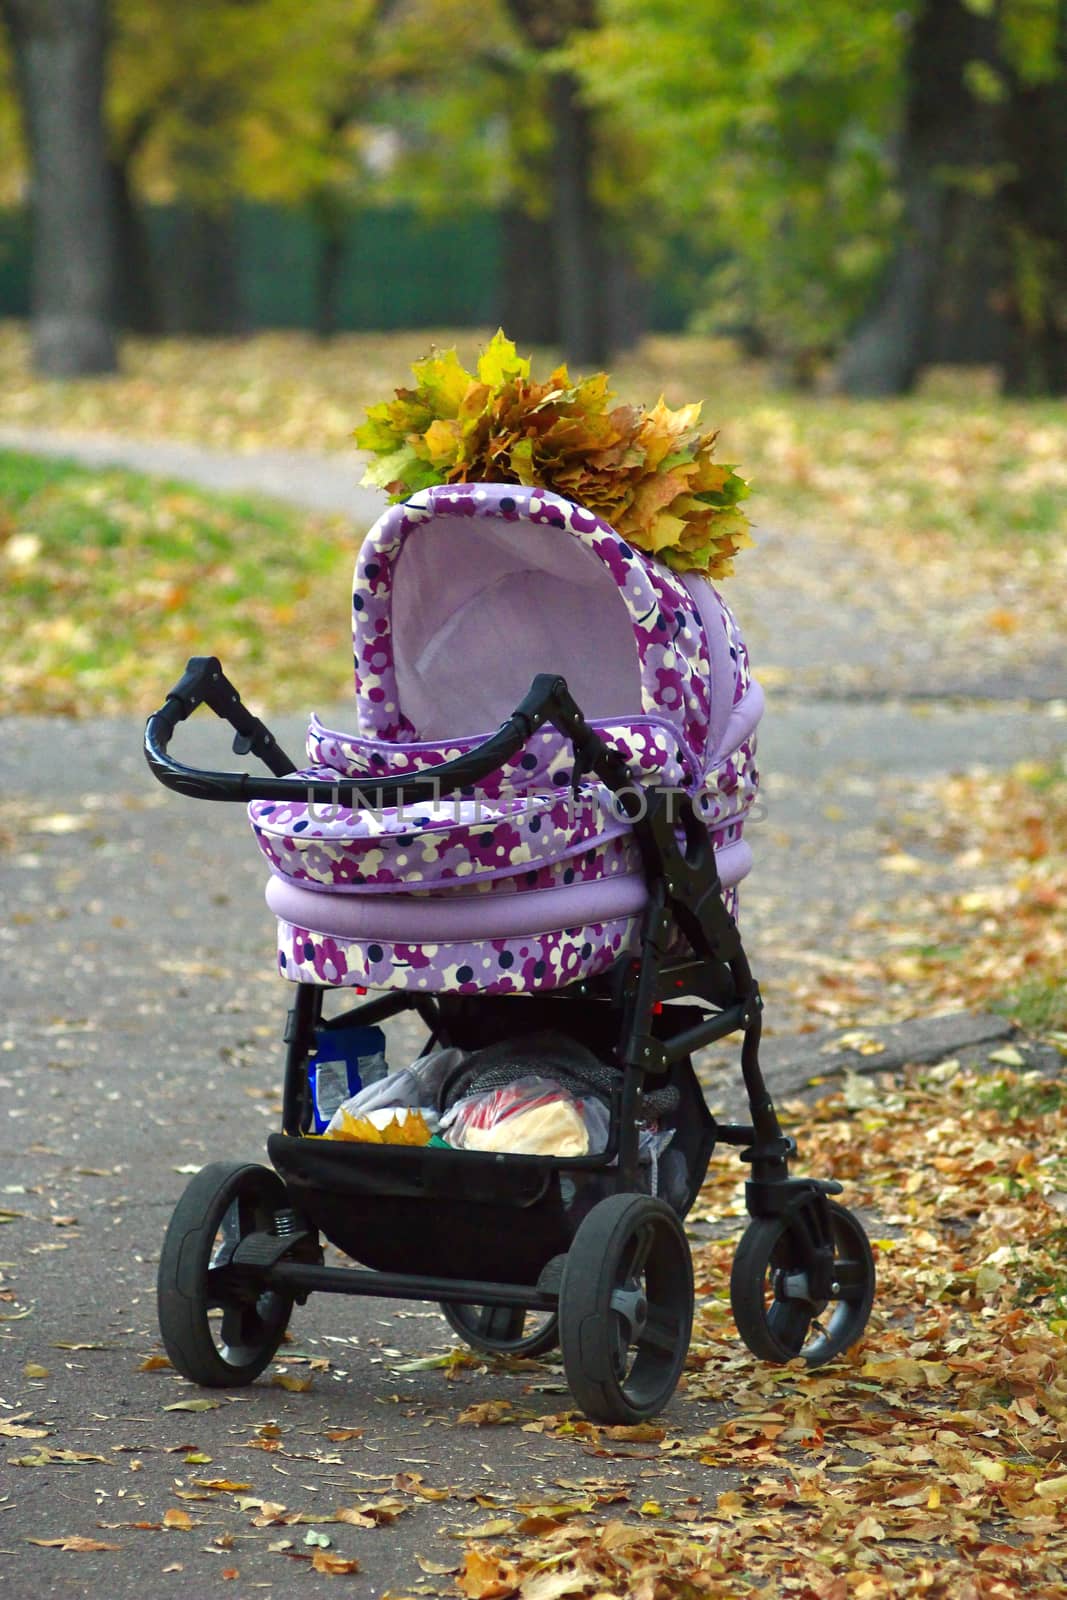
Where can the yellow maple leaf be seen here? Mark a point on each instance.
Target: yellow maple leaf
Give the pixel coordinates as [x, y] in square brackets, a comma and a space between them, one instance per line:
[500, 361]
[486, 1577]
[442, 441]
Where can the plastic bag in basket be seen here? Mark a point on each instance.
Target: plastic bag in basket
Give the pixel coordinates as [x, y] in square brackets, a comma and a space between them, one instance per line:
[532, 1116]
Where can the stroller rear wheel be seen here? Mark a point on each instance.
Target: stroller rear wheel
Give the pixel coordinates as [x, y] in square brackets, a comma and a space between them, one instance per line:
[626, 1308]
[773, 1307]
[503, 1330]
[217, 1330]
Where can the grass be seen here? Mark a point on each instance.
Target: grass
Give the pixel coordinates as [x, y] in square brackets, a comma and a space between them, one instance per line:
[1039, 1005]
[1023, 1095]
[998, 937]
[946, 510]
[111, 580]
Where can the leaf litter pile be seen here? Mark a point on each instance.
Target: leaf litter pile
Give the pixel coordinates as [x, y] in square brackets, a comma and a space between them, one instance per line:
[1000, 934]
[931, 1461]
[968, 911]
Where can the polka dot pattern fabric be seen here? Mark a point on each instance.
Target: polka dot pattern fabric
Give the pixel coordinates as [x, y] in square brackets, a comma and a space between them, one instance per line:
[522, 829]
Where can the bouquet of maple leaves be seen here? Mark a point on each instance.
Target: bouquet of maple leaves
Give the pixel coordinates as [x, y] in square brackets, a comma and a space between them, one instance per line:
[649, 473]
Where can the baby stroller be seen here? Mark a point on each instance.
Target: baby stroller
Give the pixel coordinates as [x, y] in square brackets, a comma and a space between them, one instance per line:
[574, 872]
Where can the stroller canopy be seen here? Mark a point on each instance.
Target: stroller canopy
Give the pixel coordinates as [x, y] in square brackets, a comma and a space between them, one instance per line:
[465, 592]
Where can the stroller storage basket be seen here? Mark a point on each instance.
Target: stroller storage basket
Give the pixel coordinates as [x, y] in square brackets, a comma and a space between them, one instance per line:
[476, 1214]
[441, 1213]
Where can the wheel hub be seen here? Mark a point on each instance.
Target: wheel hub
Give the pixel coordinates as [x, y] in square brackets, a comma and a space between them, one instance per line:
[632, 1307]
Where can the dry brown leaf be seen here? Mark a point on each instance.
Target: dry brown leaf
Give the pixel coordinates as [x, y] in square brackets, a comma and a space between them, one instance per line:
[436, 1569]
[333, 1566]
[14, 1428]
[76, 1542]
[47, 1457]
[412, 1483]
[486, 1413]
[487, 1577]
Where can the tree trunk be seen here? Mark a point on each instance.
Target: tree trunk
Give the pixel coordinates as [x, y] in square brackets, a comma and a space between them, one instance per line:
[576, 232]
[206, 296]
[529, 304]
[1035, 210]
[330, 217]
[950, 139]
[59, 54]
[886, 353]
[577, 252]
[136, 299]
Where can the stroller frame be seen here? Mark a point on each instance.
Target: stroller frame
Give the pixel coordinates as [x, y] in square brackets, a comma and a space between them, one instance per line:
[801, 1249]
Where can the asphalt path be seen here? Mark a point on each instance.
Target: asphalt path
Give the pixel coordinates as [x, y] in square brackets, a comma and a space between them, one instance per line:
[141, 1038]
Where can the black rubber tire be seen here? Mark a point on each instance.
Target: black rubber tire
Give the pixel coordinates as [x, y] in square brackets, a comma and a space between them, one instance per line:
[501, 1330]
[779, 1329]
[622, 1364]
[240, 1199]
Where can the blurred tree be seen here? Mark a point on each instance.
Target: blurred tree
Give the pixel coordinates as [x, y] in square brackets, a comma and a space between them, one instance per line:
[58, 47]
[984, 183]
[1034, 194]
[185, 80]
[761, 129]
[577, 241]
[374, 101]
[905, 152]
[949, 144]
[275, 100]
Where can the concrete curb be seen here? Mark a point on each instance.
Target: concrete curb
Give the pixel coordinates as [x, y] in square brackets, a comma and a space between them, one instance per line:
[805, 1066]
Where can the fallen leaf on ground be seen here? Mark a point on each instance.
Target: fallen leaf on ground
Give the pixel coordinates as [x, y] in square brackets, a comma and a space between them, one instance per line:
[332, 1565]
[75, 1542]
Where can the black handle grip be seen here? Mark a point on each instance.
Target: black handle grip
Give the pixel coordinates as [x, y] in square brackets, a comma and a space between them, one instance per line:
[192, 687]
[548, 700]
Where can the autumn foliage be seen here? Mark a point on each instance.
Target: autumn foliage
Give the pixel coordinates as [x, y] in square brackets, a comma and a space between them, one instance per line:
[649, 473]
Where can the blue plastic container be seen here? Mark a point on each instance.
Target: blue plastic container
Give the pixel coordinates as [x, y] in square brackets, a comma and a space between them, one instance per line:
[345, 1061]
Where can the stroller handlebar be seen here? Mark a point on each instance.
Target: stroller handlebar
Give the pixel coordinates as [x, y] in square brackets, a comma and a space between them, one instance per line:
[204, 683]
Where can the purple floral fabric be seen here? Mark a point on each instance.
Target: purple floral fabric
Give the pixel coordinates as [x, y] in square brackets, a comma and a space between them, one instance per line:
[729, 789]
[491, 966]
[649, 744]
[429, 845]
[515, 842]
[738, 650]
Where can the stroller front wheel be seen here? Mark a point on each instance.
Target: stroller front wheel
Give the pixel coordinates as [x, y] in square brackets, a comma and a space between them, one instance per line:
[503, 1330]
[772, 1304]
[218, 1330]
[626, 1308]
